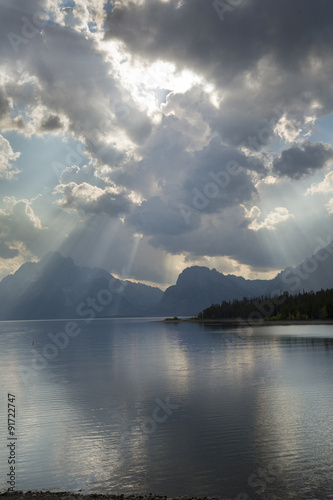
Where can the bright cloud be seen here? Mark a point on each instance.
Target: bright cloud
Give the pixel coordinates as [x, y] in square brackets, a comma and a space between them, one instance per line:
[7, 159]
[324, 187]
[280, 214]
[20, 228]
[329, 206]
[87, 199]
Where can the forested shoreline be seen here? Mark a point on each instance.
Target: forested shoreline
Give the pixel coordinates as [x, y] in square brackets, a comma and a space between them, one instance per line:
[303, 306]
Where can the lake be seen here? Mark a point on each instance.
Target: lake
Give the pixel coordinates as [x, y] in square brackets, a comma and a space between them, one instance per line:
[136, 405]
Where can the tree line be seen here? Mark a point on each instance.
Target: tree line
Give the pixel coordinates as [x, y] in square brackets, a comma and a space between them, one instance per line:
[303, 306]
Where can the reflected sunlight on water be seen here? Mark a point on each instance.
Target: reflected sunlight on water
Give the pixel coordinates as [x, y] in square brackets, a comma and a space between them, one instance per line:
[248, 410]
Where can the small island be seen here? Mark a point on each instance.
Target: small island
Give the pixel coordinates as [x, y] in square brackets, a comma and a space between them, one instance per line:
[175, 319]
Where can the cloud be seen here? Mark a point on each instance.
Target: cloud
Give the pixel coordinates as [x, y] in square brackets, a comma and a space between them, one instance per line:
[6, 252]
[156, 217]
[4, 105]
[87, 199]
[280, 214]
[217, 235]
[85, 15]
[324, 187]
[183, 188]
[79, 175]
[20, 227]
[206, 180]
[329, 206]
[302, 160]
[173, 156]
[60, 71]
[72, 61]
[266, 60]
[51, 123]
[8, 171]
[177, 200]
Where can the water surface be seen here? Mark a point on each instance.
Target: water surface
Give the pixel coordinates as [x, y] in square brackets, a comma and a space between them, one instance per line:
[249, 412]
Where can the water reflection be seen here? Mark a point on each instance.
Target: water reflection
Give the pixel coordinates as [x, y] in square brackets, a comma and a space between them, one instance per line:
[247, 400]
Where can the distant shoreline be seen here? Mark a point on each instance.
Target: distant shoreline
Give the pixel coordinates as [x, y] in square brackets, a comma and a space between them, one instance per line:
[68, 495]
[245, 322]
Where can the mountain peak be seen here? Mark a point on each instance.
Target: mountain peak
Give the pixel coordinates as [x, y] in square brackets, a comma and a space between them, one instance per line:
[197, 272]
[55, 287]
[53, 258]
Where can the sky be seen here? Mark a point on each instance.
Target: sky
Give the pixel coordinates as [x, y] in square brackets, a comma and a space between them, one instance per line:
[146, 136]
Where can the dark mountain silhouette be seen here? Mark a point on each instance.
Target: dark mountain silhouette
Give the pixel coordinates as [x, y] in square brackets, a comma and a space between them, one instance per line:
[56, 288]
[198, 287]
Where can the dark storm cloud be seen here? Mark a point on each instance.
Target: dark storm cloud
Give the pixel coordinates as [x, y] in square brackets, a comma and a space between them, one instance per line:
[219, 177]
[230, 236]
[226, 235]
[301, 160]
[21, 23]
[52, 122]
[267, 71]
[192, 34]
[216, 156]
[4, 105]
[269, 58]
[157, 217]
[210, 180]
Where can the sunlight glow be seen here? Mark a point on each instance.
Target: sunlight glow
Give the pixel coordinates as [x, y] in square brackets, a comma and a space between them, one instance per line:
[144, 81]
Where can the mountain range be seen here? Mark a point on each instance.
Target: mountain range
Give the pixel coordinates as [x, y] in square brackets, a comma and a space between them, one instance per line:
[55, 288]
[200, 287]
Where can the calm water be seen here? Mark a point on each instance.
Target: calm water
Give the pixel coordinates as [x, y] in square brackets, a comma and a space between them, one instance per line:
[246, 411]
